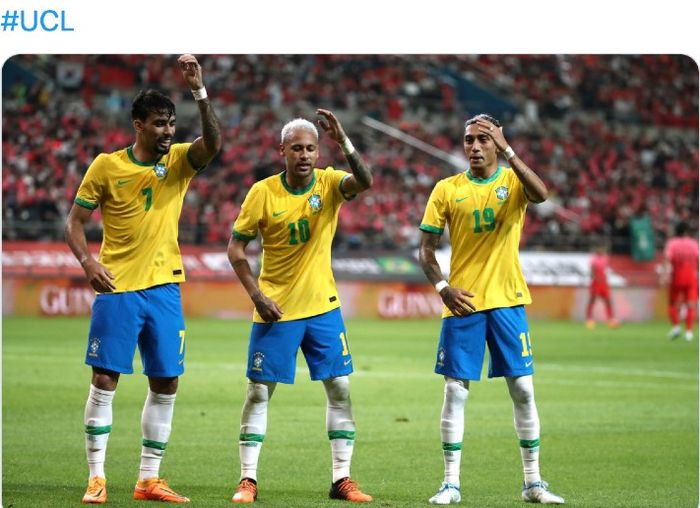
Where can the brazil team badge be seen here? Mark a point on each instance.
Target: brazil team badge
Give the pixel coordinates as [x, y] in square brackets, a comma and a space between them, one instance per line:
[258, 358]
[502, 193]
[160, 170]
[441, 357]
[94, 346]
[315, 203]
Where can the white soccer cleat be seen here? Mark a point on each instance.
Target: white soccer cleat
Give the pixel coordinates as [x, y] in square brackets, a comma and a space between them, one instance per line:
[689, 335]
[448, 494]
[538, 492]
[674, 333]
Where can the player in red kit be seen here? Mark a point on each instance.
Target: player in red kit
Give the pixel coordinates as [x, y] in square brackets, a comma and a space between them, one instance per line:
[600, 288]
[681, 272]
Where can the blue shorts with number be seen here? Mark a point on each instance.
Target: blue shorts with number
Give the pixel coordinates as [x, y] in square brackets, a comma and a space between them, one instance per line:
[272, 352]
[463, 341]
[150, 318]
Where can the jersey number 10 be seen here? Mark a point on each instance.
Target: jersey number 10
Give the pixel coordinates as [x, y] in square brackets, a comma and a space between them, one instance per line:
[299, 231]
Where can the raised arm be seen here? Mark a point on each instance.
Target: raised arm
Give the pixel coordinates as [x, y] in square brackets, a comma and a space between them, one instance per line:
[97, 275]
[361, 178]
[267, 308]
[205, 147]
[535, 189]
[456, 299]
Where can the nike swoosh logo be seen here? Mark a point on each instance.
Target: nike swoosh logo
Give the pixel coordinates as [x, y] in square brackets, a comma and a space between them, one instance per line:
[527, 364]
[122, 182]
[277, 214]
[459, 200]
[347, 362]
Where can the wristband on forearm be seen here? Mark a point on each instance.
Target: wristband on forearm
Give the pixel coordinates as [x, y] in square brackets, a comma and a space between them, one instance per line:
[200, 94]
[441, 285]
[508, 153]
[346, 146]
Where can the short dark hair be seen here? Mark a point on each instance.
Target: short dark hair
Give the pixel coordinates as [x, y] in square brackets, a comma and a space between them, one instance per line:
[482, 116]
[151, 101]
[682, 228]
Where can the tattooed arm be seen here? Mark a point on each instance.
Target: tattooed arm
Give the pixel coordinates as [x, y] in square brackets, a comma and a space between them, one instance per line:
[205, 147]
[361, 178]
[456, 299]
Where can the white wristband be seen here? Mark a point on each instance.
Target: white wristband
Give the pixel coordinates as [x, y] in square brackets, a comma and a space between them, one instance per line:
[441, 285]
[508, 153]
[199, 94]
[346, 146]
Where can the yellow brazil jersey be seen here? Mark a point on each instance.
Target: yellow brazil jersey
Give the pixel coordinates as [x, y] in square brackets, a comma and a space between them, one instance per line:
[297, 228]
[485, 218]
[140, 204]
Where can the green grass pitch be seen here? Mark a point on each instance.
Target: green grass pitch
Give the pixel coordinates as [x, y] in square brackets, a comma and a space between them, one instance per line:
[618, 408]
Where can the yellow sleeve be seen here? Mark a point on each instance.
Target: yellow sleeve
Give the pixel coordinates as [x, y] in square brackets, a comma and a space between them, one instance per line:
[435, 214]
[248, 221]
[518, 189]
[337, 177]
[91, 189]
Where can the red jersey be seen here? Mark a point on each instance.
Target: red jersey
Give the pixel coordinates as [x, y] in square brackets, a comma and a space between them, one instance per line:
[599, 268]
[682, 253]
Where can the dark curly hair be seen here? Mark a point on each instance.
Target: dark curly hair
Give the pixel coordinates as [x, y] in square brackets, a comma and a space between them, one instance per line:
[151, 101]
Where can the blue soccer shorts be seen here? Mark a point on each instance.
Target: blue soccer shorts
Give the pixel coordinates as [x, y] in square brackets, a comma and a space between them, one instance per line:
[273, 347]
[463, 340]
[150, 318]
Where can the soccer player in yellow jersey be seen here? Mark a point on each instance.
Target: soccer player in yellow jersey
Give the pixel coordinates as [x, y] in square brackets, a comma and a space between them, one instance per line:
[484, 209]
[296, 300]
[140, 191]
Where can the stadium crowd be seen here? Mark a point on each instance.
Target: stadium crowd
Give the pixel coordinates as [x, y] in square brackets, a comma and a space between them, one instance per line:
[614, 137]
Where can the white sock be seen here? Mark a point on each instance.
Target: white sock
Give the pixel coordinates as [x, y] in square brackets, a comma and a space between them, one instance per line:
[98, 425]
[527, 425]
[340, 425]
[253, 427]
[452, 427]
[156, 423]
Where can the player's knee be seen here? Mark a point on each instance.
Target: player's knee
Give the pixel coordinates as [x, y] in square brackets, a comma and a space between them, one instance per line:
[337, 389]
[522, 391]
[258, 392]
[455, 390]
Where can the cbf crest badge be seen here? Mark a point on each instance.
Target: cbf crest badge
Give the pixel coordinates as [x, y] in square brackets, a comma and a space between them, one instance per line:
[160, 170]
[441, 357]
[94, 347]
[258, 358]
[315, 203]
[502, 193]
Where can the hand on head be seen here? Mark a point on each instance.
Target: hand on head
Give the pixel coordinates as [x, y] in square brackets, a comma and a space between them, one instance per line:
[496, 133]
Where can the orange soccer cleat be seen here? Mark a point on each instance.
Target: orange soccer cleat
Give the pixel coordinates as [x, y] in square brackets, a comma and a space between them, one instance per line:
[347, 489]
[96, 492]
[155, 489]
[247, 491]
